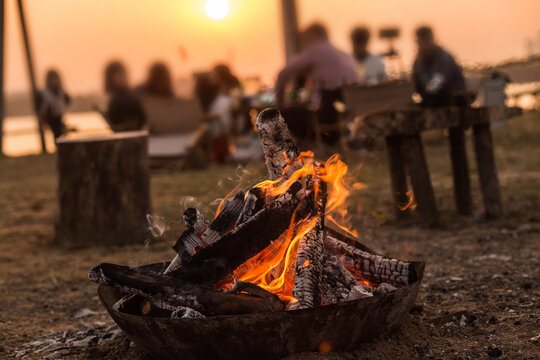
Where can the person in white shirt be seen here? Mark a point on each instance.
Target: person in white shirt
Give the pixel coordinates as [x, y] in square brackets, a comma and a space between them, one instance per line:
[371, 69]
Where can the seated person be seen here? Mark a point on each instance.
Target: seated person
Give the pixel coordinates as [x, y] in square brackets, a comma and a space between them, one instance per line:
[125, 111]
[371, 68]
[436, 75]
[158, 82]
[327, 69]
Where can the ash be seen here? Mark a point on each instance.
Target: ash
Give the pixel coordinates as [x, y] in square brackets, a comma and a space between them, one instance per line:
[71, 342]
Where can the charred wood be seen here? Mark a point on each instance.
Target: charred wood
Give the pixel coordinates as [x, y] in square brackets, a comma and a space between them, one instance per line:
[277, 144]
[226, 219]
[217, 260]
[372, 267]
[384, 288]
[309, 258]
[170, 293]
[254, 202]
[190, 241]
[195, 220]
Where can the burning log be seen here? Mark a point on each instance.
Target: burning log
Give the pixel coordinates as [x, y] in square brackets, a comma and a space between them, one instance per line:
[374, 268]
[190, 241]
[226, 219]
[217, 260]
[309, 258]
[278, 147]
[195, 220]
[169, 293]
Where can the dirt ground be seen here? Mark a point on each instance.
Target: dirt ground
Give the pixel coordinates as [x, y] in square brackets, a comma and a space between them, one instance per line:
[480, 297]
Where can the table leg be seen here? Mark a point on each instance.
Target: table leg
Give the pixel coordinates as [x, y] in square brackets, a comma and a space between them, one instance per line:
[487, 173]
[460, 169]
[397, 175]
[418, 171]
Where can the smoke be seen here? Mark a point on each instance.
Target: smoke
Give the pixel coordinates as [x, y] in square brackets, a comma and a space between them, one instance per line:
[157, 225]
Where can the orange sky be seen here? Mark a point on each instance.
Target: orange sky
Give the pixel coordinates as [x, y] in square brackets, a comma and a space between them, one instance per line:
[79, 37]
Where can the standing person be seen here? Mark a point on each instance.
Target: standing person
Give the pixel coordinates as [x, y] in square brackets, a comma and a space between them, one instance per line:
[158, 82]
[370, 67]
[436, 75]
[328, 69]
[52, 101]
[125, 111]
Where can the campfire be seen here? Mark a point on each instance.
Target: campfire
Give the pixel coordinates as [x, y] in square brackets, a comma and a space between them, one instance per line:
[278, 247]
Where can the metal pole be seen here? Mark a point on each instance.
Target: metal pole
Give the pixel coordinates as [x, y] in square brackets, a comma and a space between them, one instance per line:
[290, 28]
[31, 73]
[1, 77]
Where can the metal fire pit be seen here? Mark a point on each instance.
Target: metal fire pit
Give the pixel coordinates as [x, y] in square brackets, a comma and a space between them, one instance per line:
[265, 335]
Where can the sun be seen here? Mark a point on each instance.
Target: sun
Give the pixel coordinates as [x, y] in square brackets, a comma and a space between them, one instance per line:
[217, 9]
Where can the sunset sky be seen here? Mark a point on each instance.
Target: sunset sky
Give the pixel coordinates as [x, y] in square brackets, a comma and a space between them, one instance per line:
[79, 37]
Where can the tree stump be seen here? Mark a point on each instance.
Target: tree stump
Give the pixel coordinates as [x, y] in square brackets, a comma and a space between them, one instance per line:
[104, 189]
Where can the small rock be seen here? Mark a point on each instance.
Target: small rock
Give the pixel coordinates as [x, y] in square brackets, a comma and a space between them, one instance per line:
[494, 352]
[493, 320]
[526, 285]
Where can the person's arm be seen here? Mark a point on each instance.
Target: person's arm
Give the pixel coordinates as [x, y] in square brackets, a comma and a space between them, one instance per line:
[298, 65]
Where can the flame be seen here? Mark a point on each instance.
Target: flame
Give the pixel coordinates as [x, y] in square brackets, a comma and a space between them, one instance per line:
[273, 268]
[410, 202]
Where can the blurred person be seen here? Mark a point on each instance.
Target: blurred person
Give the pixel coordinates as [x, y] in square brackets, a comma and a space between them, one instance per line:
[224, 107]
[158, 82]
[125, 111]
[370, 67]
[327, 69]
[436, 75]
[51, 103]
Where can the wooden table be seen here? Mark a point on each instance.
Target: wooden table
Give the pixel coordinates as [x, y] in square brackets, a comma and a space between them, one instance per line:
[401, 129]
